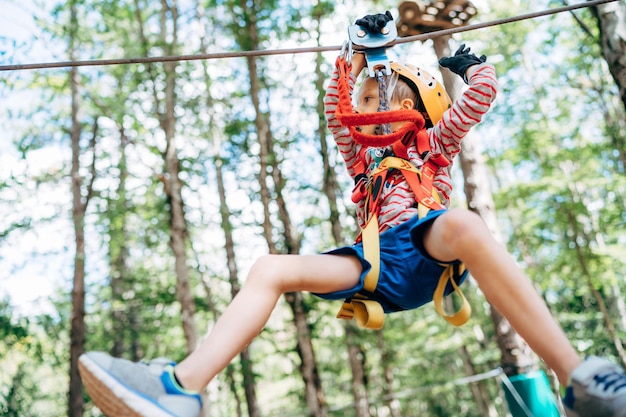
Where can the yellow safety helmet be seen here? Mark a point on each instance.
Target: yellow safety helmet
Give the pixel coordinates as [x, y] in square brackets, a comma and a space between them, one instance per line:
[431, 92]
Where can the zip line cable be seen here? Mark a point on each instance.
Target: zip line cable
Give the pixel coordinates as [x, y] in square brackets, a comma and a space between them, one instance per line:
[288, 51]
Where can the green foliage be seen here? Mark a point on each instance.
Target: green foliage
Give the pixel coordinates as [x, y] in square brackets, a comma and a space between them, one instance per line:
[17, 396]
[554, 143]
[12, 331]
[563, 215]
[28, 384]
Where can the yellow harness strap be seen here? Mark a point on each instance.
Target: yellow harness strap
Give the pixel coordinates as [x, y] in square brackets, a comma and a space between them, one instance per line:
[460, 317]
[369, 314]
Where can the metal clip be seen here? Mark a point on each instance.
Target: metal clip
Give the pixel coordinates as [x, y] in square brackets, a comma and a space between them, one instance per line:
[374, 45]
[346, 51]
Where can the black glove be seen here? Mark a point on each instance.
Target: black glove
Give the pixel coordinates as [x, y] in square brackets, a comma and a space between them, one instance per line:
[461, 61]
[373, 23]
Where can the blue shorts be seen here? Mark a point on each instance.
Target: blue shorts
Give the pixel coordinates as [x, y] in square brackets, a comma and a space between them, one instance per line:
[408, 275]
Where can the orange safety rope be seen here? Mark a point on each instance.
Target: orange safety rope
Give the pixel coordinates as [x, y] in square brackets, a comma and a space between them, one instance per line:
[347, 117]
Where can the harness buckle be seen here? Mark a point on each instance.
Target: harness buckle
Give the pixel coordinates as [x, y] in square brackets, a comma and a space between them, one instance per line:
[361, 188]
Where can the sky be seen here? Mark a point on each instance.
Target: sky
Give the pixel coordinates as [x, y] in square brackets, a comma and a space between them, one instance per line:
[26, 280]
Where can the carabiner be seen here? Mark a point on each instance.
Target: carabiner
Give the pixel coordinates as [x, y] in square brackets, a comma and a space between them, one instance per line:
[346, 51]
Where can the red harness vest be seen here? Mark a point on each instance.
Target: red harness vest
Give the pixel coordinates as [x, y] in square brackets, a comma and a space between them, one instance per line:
[413, 129]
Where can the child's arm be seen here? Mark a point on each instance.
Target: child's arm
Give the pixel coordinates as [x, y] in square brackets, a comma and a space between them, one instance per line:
[348, 148]
[471, 71]
[467, 110]
[358, 63]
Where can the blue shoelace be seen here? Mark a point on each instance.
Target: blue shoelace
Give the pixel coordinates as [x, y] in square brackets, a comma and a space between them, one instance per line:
[611, 380]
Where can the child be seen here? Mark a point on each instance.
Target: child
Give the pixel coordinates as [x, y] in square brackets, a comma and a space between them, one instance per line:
[412, 251]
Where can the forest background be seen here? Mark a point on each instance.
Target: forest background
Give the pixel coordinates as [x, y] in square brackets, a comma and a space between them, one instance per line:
[134, 198]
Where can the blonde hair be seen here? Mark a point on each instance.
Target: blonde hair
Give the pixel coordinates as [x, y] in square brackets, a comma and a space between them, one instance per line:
[398, 90]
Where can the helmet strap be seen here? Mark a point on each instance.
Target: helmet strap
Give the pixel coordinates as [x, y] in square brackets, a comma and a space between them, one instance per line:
[392, 82]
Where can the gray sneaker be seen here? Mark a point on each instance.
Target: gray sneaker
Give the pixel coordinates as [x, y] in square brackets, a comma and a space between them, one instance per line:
[597, 389]
[123, 388]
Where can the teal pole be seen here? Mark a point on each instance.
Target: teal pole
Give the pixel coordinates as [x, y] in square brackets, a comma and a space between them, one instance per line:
[533, 391]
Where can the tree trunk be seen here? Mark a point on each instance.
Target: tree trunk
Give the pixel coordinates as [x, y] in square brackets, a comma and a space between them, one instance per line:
[171, 179]
[77, 329]
[620, 305]
[389, 395]
[79, 207]
[230, 377]
[124, 313]
[233, 277]
[611, 18]
[124, 317]
[314, 395]
[118, 251]
[136, 352]
[356, 356]
[173, 185]
[329, 180]
[332, 192]
[479, 390]
[263, 133]
[231, 261]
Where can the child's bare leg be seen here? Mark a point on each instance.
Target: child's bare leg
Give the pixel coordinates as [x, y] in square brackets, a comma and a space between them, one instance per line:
[461, 234]
[245, 317]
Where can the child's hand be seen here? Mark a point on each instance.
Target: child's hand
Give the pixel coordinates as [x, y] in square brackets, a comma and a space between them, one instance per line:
[374, 23]
[461, 61]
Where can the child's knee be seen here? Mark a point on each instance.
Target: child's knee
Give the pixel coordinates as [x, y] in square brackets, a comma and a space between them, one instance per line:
[266, 272]
[462, 225]
[262, 269]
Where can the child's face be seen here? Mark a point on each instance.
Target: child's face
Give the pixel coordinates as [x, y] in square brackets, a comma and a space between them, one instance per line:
[368, 99]
[368, 102]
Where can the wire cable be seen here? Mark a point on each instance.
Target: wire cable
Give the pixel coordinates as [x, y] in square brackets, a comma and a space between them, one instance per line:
[516, 395]
[494, 373]
[290, 51]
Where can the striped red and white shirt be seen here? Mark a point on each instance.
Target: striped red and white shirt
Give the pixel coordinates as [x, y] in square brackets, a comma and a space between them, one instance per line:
[397, 201]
